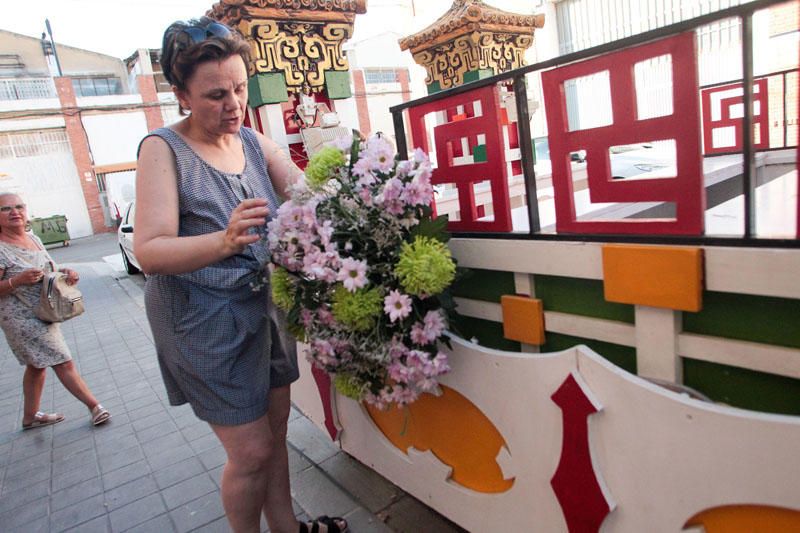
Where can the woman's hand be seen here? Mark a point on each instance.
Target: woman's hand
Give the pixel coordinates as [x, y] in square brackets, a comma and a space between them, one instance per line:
[28, 277]
[72, 276]
[251, 213]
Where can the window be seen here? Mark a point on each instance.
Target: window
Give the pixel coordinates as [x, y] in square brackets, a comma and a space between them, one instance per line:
[380, 76]
[96, 86]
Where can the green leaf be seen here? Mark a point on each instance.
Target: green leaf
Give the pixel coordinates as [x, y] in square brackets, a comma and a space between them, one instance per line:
[435, 228]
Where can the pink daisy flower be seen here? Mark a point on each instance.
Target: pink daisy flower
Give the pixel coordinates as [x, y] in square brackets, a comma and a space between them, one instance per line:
[353, 274]
[397, 305]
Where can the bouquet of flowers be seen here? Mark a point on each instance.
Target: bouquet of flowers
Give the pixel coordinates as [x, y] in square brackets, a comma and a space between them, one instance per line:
[362, 270]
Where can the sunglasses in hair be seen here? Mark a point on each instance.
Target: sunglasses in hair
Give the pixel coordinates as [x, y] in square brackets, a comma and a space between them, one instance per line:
[8, 208]
[198, 34]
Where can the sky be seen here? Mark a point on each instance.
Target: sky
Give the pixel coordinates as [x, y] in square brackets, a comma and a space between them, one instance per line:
[119, 27]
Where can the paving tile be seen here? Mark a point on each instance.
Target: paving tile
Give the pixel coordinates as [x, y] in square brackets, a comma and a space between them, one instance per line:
[205, 442]
[125, 474]
[163, 442]
[16, 498]
[83, 459]
[365, 522]
[40, 525]
[297, 462]
[220, 525]
[96, 525]
[199, 512]
[216, 475]
[76, 493]
[172, 474]
[170, 457]
[213, 457]
[73, 477]
[159, 430]
[77, 513]
[137, 512]
[409, 515]
[367, 487]
[160, 524]
[122, 457]
[319, 495]
[23, 466]
[65, 451]
[130, 492]
[188, 490]
[310, 440]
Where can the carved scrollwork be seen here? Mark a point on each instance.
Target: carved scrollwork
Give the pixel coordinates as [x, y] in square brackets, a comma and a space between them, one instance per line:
[303, 51]
[447, 63]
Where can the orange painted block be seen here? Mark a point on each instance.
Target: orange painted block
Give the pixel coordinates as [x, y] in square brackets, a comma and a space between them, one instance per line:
[455, 430]
[670, 277]
[459, 117]
[523, 319]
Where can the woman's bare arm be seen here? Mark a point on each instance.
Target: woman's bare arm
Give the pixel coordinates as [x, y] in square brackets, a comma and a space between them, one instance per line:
[157, 246]
[282, 169]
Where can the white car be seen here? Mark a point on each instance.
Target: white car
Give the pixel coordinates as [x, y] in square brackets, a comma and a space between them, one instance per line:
[125, 238]
[642, 160]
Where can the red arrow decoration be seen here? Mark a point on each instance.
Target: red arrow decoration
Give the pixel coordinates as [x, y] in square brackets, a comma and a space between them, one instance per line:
[575, 483]
[323, 381]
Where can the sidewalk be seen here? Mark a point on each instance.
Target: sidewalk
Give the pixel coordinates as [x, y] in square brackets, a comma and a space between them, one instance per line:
[155, 468]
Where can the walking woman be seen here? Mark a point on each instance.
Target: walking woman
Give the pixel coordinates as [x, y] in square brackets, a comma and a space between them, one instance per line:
[205, 188]
[36, 344]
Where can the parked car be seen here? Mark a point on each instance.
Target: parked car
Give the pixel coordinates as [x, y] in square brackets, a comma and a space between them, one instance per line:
[125, 238]
[627, 161]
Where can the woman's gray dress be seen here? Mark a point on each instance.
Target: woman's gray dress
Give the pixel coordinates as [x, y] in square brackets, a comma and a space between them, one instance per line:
[33, 342]
[221, 343]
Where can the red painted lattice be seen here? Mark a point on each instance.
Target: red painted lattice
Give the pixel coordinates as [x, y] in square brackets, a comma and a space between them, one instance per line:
[447, 136]
[685, 190]
[724, 106]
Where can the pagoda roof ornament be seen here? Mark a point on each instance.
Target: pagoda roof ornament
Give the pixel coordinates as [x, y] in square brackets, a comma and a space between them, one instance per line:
[301, 39]
[471, 36]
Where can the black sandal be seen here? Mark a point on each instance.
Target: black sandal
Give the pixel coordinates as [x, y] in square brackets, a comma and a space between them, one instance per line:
[325, 524]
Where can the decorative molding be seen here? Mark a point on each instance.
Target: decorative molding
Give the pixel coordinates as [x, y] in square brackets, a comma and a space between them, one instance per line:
[300, 39]
[471, 36]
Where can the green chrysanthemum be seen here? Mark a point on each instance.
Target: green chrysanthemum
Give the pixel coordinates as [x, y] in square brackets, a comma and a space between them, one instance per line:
[350, 386]
[357, 310]
[283, 290]
[321, 166]
[425, 266]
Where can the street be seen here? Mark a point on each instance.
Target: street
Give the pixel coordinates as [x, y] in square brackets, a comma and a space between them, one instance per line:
[153, 468]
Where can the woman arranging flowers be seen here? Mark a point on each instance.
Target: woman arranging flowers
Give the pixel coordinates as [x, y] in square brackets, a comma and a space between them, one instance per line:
[362, 270]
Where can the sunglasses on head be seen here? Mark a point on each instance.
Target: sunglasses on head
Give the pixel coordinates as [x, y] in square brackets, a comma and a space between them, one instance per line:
[8, 208]
[198, 34]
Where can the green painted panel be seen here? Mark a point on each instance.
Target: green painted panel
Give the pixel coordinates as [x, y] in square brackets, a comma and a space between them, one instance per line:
[267, 88]
[485, 285]
[434, 87]
[51, 229]
[622, 356]
[743, 388]
[479, 153]
[474, 75]
[337, 84]
[488, 333]
[751, 318]
[579, 297]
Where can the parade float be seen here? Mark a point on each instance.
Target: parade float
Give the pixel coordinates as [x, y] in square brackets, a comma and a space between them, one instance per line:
[630, 349]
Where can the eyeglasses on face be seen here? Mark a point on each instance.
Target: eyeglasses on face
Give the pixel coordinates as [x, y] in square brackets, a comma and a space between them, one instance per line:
[198, 34]
[8, 208]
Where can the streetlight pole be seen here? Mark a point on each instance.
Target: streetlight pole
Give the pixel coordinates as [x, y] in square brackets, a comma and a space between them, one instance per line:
[55, 52]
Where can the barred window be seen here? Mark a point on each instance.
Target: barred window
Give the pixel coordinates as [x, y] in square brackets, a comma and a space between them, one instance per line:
[29, 144]
[27, 89]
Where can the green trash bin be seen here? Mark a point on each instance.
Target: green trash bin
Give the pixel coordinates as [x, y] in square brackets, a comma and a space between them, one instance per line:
[51, 230]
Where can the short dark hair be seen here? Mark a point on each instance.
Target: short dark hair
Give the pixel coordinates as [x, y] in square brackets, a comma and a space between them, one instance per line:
[180, 55]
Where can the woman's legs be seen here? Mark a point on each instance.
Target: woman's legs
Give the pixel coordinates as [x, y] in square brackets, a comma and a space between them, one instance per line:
[278, 502]
[73, 382]
[32, 387]
[256, 475]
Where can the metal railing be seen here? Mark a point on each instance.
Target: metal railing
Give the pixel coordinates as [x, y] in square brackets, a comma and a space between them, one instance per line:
[27, 88]
[517, 78]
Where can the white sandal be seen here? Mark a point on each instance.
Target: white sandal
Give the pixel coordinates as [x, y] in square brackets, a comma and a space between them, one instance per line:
[100, 415]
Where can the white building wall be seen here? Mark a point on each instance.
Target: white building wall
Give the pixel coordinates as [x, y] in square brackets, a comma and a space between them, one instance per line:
[114, 137]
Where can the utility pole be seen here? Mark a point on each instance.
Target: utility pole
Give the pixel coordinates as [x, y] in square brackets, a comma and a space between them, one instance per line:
[55, 52]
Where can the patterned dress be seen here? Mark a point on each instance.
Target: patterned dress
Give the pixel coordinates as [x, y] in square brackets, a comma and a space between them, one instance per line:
[33, 342]
[221, 344]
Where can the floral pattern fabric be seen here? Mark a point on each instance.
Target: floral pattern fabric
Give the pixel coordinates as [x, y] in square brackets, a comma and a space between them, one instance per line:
[33, 342]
